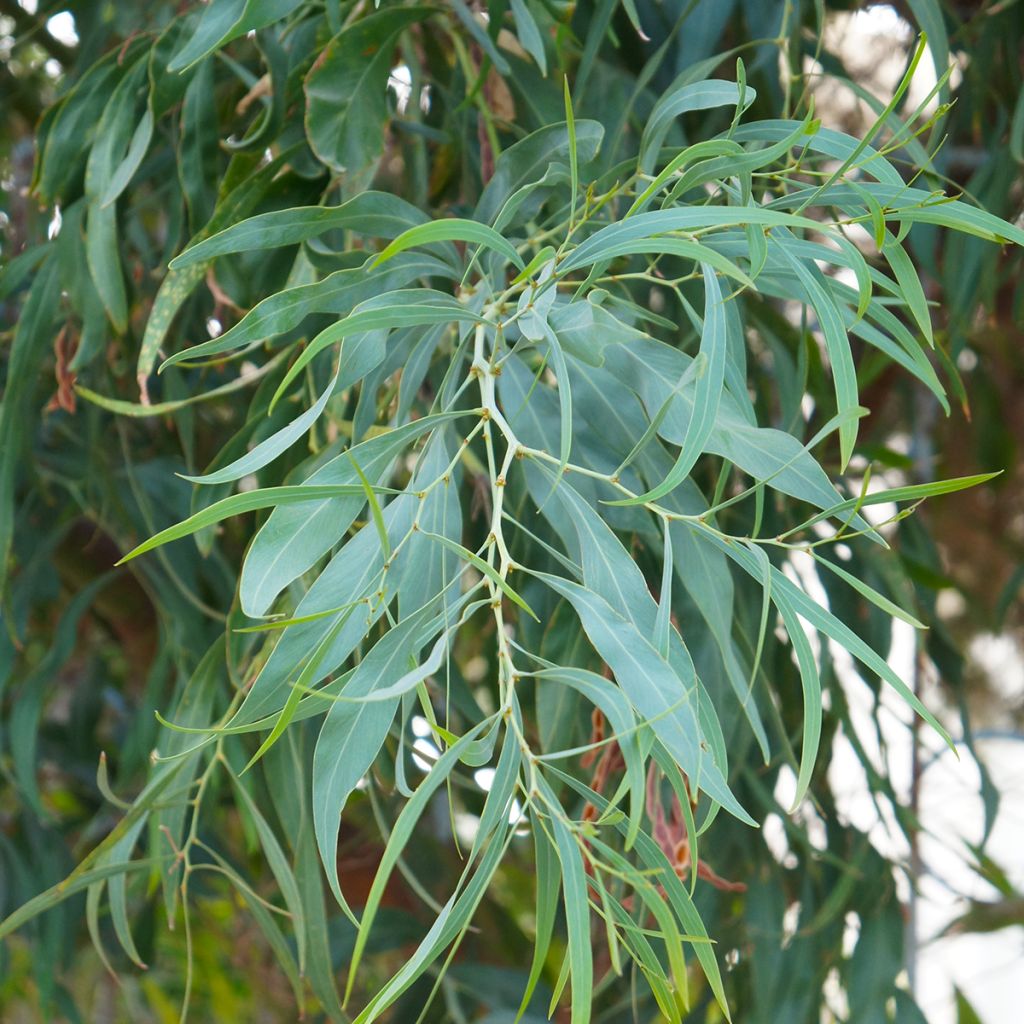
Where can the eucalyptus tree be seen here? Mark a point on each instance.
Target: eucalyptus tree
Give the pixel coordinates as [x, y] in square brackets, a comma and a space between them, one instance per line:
[517, 387]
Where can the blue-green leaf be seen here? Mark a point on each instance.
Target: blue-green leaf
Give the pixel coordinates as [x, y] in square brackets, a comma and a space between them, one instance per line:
[377, 214]
[666, 702]
[707, 392]
[678, 99]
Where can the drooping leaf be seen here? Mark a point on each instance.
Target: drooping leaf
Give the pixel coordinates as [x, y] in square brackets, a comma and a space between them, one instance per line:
[346, 91]
[377, 214]
[225, 20]
[655, 690]
[679, 99]
[707, 390]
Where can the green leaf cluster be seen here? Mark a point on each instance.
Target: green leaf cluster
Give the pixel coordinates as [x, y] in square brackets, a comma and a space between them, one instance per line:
[547, 388]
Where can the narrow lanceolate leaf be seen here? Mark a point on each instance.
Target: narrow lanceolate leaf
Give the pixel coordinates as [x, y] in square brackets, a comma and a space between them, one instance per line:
[837, 344]
[913, 206]
[350, 739]
[125, 170]
[613, 576]
[400, 837]
[889, 108]
[529, 34]
[707, 392]
[375, 509]
[311, 672]
[654, 859]
[102, 242]
[574, 170]
[577, 920]
[104, 263]
[175, 288]
[411, 307]
[877, 599]
[694, 371]
[688, 218]
[32, 338]
[279, 865]
[354, 572]
[564, 399]
[178, 285]
[294, 537]
[500, 804]
[121, 851]
[448, 926]
[699, 152]
[725, 164]
[411, 679]
[78, 882]
[912, 492]
[824, 621]
[910, 285]
[811, 684]
[614, 705]
[540, 258]
[488, 570]
[453, 229]
[663, 623]
[377, 214]
[268, 450]
[521, 170]
[548, 880]
[680, 247]
[337, 293]
[653, 687]
[678, 100]
[662, 914]
[247, 501]
[654, 370]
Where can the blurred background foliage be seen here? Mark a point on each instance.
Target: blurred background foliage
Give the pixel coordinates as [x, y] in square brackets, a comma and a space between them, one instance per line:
[88, 653]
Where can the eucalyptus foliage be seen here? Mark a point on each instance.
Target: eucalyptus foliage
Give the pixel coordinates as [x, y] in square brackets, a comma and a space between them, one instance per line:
[544, 385]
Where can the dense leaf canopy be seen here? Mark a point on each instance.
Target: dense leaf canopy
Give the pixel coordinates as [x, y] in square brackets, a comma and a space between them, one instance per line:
[468, 476]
